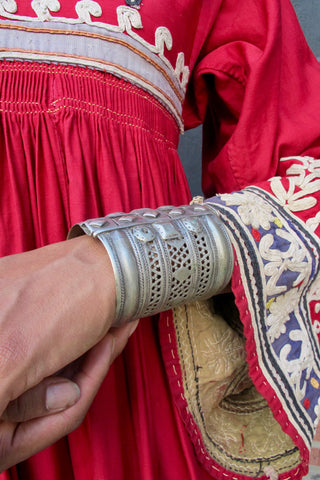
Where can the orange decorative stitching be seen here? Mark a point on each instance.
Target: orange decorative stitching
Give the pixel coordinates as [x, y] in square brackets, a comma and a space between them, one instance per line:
[21, 102]
[100, 37]
[96, 76]
[103, 62]
[160, 136]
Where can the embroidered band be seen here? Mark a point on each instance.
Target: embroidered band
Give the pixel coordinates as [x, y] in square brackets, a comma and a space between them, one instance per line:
[116, 49]
[279, 263]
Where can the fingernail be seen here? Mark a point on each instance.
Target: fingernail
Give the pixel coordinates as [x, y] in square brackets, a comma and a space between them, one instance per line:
[60, 396]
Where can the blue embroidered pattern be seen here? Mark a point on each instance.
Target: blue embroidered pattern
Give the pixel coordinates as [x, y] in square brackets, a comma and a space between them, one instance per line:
[279, 263]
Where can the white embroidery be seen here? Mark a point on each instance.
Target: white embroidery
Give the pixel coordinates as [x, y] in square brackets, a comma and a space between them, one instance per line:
[8, 6]
[294, 202]
[285, 256]
[128, 19]
[87, 8]
[289, 348]
[316, 327]
[313, 223]
[299, 170]
[163, 38]
[252, 210]
[301, 366]
[43, 8]
[280, 311]
[292, 259]
[317, 412]
[287, 269]
[306, 176]
[182, 71]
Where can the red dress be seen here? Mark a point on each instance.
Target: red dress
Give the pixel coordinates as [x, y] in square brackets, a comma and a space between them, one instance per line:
[91, 108]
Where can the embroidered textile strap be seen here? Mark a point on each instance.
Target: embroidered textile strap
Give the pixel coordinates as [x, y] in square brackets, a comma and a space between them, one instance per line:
[162, 258]
[232, 422]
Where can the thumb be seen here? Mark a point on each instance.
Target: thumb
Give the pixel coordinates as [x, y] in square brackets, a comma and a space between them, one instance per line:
[57, 393]
[52, 395]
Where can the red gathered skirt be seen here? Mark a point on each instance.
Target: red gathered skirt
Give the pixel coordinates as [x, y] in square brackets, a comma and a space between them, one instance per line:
[76, 144]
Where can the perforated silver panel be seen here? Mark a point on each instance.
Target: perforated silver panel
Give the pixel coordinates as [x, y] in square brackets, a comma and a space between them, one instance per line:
[165, 257]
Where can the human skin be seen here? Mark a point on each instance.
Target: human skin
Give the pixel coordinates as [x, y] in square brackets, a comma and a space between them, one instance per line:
[57, 305]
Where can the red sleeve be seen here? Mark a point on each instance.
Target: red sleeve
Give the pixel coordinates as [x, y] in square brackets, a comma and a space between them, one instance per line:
[256, 88]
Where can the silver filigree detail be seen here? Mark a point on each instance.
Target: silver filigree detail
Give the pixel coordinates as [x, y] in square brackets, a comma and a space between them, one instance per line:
[162, 258]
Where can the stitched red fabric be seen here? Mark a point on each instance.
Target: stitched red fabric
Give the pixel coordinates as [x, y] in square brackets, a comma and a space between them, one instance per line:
[76, 143]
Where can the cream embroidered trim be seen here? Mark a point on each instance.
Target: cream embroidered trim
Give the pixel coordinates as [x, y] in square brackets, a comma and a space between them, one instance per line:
[116, 49]
[154, 86]
[128, 19]
[279, 258]
[305, 174]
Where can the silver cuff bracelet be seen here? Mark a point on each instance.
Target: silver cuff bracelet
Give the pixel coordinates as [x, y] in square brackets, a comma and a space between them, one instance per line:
[162, 258]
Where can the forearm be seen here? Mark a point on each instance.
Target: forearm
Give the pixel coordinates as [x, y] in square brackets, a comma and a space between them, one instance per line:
[55, 303]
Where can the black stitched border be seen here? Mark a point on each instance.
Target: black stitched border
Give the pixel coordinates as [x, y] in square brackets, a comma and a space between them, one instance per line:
[239, 231]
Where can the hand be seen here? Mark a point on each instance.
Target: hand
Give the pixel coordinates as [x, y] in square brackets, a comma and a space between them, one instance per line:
[56, 303]
[39, 418]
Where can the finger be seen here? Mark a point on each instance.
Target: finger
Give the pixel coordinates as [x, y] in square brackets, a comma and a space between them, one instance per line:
[122, 335]
[48, 429]
[96, 363]
[55, 394]
[52, 395]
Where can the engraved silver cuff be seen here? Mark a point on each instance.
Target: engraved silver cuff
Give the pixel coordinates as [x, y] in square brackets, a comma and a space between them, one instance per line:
[162, 258]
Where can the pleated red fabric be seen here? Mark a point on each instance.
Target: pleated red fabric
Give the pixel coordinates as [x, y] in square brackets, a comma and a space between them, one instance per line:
[77, 143]
[60, 163]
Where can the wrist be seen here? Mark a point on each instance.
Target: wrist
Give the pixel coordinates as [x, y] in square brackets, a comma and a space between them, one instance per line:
[97, 266]
[162, 258]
